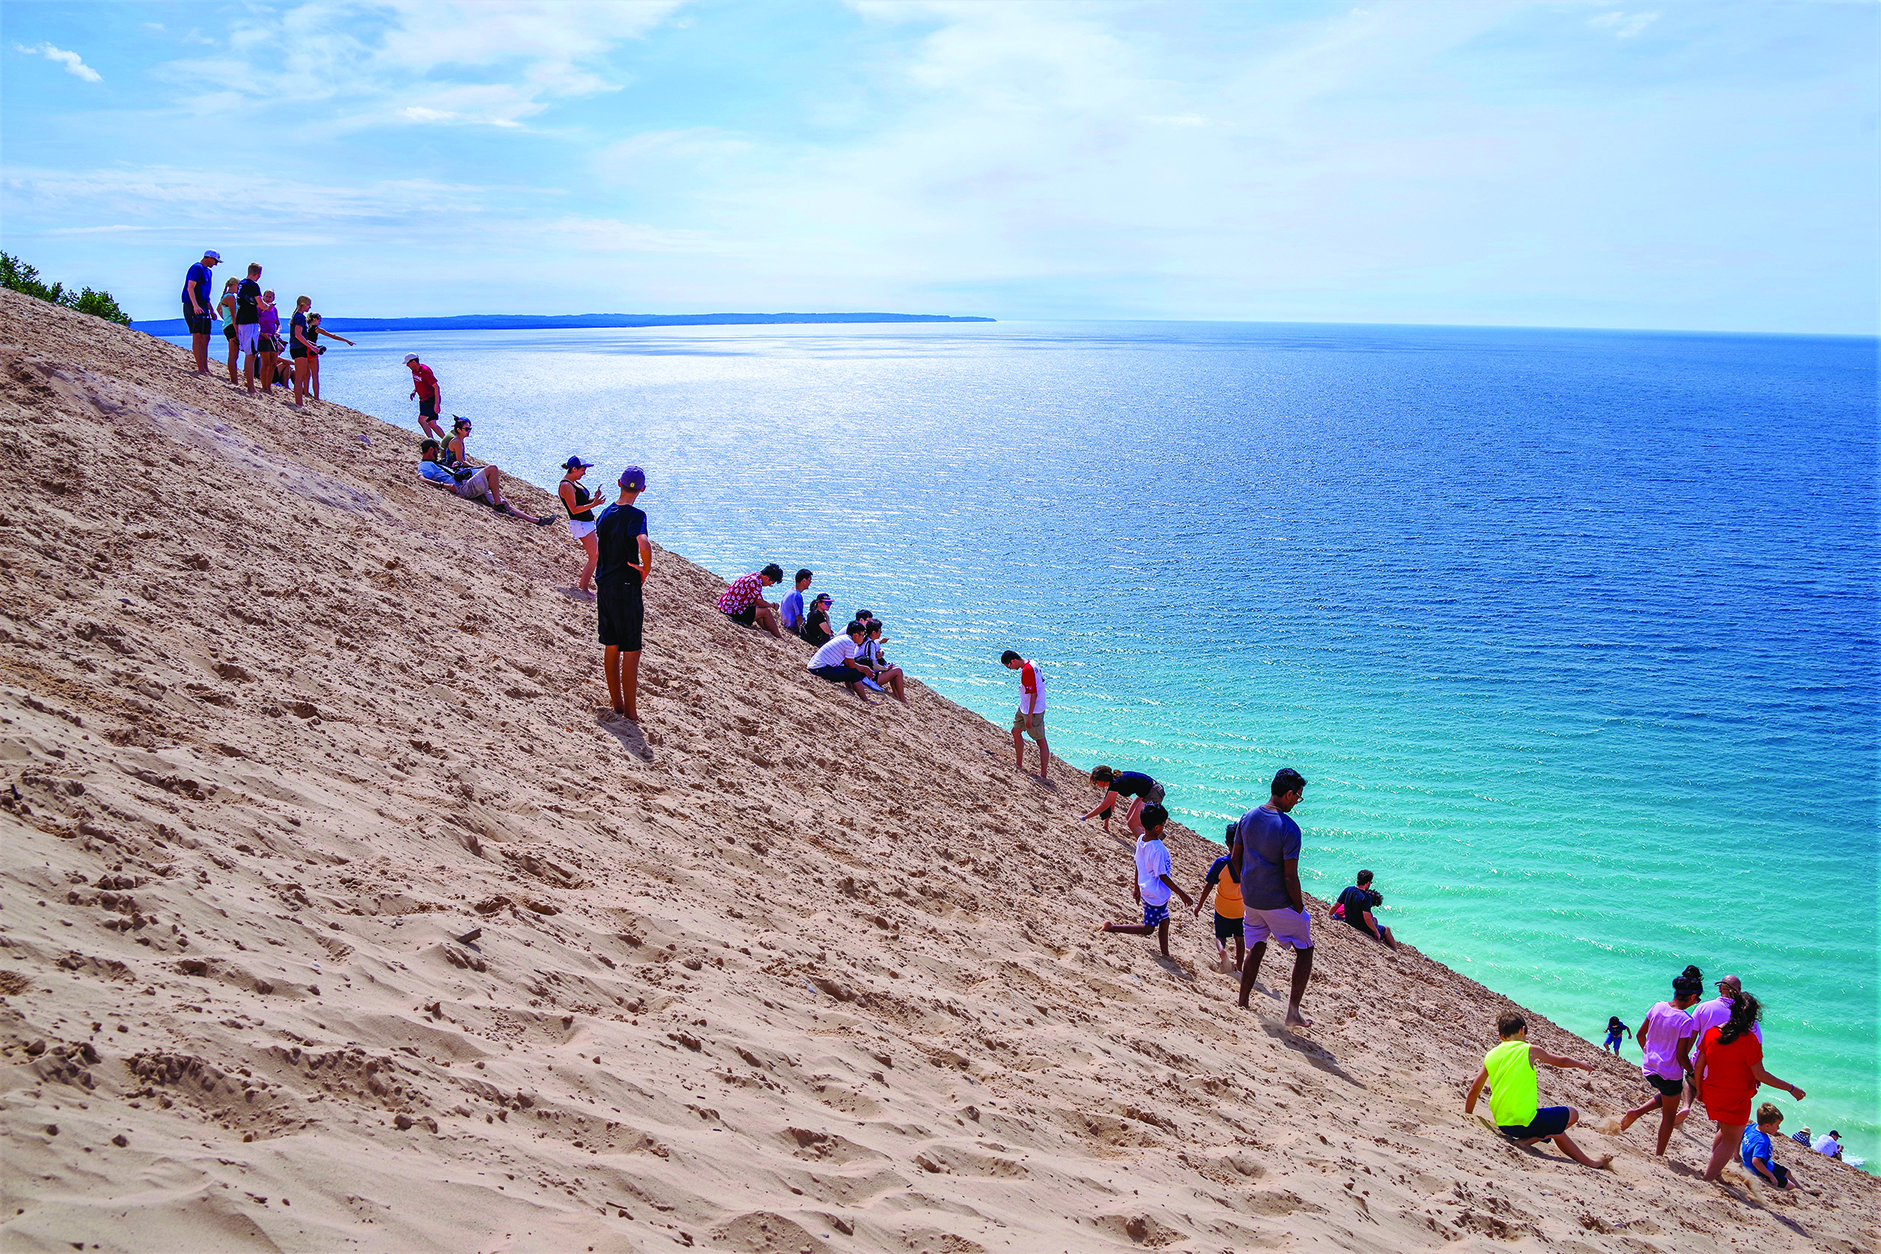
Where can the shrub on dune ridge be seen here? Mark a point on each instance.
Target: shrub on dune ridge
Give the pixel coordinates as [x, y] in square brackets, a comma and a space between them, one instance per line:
[20, 277]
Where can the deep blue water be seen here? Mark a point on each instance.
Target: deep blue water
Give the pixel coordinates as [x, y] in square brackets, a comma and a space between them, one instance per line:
[1574, 633]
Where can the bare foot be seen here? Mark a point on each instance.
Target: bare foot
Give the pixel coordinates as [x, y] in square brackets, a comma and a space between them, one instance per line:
[1103, 927]
[1626, 1121]
[1297, 1020]
[1603, 1162]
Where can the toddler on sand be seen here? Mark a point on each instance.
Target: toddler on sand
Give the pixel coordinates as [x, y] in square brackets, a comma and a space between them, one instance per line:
[1153, 884]
[1515, 1092]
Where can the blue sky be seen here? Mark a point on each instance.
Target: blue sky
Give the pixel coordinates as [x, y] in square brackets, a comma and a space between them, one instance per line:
[1707, 164]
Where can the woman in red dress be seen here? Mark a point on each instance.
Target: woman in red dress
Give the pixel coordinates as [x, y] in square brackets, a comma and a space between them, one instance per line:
[1727, 1075]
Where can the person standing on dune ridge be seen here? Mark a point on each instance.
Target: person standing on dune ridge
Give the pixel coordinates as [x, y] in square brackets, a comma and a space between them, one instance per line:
[197, 311]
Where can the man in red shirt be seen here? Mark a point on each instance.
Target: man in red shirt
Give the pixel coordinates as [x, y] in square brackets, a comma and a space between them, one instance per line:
[1030, 717]
[744, 603]
[424, 386]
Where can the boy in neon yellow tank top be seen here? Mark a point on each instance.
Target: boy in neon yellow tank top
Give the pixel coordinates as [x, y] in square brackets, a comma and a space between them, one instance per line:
[1515, 1092]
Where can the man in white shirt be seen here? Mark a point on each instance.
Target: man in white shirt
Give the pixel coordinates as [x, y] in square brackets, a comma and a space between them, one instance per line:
[1029, 720]
[1830, 1145]
[836, 661]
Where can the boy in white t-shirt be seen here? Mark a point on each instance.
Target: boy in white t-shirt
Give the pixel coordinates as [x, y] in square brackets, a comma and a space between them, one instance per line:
[1153, 884]
[836, 661]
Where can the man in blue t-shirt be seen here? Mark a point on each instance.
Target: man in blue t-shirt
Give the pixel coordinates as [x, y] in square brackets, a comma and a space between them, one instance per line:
[1269, 842]
[791, 613]
[626, 559]
[197, 309]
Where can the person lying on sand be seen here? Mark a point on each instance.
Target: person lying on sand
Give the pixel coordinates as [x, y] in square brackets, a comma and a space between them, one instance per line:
[1665, 1037]
[1515, 1092]
[1153, 885]
[484, 484]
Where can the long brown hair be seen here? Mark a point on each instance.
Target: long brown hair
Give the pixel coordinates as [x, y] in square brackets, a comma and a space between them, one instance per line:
[1745, 1011]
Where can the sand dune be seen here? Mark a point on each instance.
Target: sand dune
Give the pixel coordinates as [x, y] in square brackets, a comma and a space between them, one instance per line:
[279, 722]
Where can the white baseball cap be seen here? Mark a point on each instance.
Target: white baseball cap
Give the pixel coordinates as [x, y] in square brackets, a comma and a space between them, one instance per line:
[411, 357]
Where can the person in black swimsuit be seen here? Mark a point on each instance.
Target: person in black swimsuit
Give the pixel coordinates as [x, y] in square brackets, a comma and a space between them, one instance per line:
[1138, 787]
[581, 507]
[816, 629]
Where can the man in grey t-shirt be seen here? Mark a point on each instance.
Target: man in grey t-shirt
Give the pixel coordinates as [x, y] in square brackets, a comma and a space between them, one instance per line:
[1269, 842]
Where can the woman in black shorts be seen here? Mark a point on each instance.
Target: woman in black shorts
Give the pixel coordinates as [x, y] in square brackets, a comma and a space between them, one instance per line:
[1139, 788]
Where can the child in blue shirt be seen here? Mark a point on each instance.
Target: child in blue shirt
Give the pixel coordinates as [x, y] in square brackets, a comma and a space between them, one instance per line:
[1757, 1156]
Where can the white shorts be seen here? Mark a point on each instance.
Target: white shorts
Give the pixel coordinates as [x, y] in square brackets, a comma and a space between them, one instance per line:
[247, 336]
[578, 529]
[1292, 928]
[476, 485]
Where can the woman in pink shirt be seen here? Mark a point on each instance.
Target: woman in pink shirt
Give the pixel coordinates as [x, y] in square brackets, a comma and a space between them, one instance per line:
[1666, 1038]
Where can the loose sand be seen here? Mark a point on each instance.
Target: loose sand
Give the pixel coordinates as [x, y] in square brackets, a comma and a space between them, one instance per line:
[278, 722]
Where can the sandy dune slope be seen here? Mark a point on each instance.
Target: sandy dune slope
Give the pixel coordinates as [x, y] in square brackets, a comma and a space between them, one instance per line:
[278, 722]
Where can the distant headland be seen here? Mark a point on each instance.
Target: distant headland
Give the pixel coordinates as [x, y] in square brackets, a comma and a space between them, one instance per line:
[539, 322]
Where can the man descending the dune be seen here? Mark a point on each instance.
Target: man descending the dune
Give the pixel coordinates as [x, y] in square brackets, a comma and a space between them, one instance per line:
[1273, 904]
[1029, 720]
[626, 559]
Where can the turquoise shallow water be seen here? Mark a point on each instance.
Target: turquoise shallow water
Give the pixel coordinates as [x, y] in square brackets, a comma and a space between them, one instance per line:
[1572, 632]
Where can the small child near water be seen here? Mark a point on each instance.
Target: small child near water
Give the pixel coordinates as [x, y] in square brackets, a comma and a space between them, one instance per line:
[1614, 1029]
[1756, 1153]
[1153, 885]
[1515, 1092]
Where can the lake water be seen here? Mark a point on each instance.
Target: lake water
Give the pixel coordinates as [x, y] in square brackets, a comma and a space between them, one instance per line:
[1573, 633]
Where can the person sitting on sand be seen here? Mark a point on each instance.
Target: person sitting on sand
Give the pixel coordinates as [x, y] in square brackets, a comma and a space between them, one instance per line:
[743, 600]
[1729, 1071]
[1829, 1146]
[1801, 1137]
[1029, 720]
[483, 484]
[1615, 1029]
[1223, 880]
[790, 613]
[581, 507]
[1153, 885]
[1665, 1037]
[882, 673]
[816, 629]
[1269, 841]
[1359, 900]
[1758, 1155]
[1515, 1092]
[454, 454]
[836, 661]
[1139, 788]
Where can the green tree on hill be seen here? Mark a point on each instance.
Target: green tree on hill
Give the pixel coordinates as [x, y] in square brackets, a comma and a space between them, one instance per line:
[20, 277]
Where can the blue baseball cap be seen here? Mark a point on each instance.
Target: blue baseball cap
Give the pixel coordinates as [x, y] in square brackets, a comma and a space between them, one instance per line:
[575, 462]
[633, 479]
[212, 254]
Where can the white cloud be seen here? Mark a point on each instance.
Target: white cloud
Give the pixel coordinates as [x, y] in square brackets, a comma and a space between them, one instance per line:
[74, 65]
[405, 62]
[1623, 25]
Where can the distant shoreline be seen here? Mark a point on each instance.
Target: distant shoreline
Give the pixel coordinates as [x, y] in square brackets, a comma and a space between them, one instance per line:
[540, 322]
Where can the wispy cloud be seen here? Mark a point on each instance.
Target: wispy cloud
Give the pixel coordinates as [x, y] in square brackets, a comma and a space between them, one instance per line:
[1623, 25]
[73, 63]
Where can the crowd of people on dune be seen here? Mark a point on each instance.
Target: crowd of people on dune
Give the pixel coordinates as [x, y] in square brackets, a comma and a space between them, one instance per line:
[251, 324]
[1708, 1053]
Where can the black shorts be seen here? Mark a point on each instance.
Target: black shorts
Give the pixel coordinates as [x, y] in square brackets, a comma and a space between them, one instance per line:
[748, 616]
[1665, 1087]
[1227, 929]
[1549, 1121]
[837, 674]
[198, 323]
[427, 408]
[620, 614]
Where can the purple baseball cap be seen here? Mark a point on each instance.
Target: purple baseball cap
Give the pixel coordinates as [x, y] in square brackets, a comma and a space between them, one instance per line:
[633, 479]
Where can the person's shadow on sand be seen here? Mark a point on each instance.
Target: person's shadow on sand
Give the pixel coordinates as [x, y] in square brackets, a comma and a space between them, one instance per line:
[628, 733]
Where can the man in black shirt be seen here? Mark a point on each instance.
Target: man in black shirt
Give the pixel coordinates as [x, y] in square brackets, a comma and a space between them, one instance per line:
[248, 321]
[626, 559]
[1358, 901]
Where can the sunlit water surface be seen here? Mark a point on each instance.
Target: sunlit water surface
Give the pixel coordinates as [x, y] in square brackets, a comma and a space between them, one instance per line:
[1572, 632]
